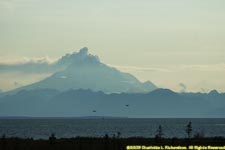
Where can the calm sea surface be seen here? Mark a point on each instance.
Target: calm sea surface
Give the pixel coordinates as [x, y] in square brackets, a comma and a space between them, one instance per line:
[42, 128]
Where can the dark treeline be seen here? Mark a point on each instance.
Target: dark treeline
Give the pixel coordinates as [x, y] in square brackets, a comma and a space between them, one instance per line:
[104, 143]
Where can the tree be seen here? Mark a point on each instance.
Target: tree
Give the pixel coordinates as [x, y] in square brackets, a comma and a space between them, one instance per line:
[118, 134]
[189, 129]
[52, 137]
[159, 132]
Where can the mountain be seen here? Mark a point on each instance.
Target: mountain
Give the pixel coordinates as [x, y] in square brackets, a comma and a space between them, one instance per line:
[84, 86]
[85, 71]
[77, 103]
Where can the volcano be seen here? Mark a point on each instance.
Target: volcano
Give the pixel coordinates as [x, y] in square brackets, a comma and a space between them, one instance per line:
[86, 71]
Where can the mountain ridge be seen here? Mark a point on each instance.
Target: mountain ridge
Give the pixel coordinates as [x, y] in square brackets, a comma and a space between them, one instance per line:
[81, 102]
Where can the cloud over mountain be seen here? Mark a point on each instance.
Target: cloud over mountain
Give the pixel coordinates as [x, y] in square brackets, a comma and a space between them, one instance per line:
[46, 65]
[27, 65]
[81, 70]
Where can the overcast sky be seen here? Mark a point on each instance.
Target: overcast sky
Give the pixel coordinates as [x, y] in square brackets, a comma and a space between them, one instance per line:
[177, 44]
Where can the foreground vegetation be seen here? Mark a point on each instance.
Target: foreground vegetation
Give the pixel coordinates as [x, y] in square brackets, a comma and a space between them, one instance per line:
[104, 143]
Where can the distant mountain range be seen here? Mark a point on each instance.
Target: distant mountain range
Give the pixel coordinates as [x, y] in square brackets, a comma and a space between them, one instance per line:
[77, 103]
[84, 86]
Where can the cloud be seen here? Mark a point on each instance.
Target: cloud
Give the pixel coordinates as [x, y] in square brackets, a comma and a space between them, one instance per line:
[135, 68]
[25, 60]
[28, 65]
[41, 60]
[173, 68]
[47, 65]
[208, 67]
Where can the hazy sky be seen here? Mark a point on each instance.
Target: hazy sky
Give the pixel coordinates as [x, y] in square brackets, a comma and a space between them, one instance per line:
[170, 42]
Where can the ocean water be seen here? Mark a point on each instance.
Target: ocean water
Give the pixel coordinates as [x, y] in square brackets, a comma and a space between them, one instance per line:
[65, 127]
